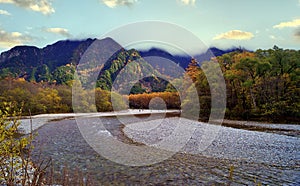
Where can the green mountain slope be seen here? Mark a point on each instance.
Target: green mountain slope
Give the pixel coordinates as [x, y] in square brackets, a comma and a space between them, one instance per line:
[57, 63]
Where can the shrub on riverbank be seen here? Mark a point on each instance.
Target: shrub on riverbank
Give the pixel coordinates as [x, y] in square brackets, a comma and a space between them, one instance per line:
[16, 167]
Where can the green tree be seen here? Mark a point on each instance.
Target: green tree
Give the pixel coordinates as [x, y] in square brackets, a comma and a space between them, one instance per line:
[43, 74]
[64, 74]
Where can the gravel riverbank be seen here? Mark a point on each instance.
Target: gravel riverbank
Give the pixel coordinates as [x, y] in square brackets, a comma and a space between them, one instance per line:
[229, 143]
[39, 120]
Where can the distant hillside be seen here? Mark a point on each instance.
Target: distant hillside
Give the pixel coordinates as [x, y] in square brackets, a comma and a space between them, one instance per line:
[56, 63]
[215, 52]
[126, 68]
[31, 62]
[184, 60]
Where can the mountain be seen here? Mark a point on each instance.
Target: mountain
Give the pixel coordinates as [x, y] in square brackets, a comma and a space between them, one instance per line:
[56, 63]
[184, 60]
[126, 69]
[24, 61]
[181, 60]
[64, 52]
[20, 59]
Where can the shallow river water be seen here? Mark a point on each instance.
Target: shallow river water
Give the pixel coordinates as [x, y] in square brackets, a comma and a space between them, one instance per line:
[257, 157]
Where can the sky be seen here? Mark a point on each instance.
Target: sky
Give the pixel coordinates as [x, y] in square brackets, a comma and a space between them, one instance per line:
[224, 24]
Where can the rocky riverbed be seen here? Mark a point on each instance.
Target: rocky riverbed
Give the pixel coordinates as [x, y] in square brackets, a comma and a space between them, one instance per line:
[221, 142]
[262, 157]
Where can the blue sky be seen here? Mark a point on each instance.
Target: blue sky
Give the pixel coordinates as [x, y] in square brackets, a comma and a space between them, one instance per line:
[222, 23]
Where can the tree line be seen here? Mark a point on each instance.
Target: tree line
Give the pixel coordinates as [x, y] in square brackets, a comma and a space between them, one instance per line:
[39, 98]
[260, 85]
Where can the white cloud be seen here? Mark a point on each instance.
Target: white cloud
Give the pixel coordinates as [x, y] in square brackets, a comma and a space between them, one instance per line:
[4, 12]
[188, 2]
[235, 35]
[60, 31]
[8, 40]
[43, 6]
[294, 23]
[114, 3]
[273, 37]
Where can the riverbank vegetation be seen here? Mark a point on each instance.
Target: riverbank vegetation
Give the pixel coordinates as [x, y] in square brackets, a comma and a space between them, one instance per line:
[260, 85]
[42, 97]
[263, 85]
[17, 166]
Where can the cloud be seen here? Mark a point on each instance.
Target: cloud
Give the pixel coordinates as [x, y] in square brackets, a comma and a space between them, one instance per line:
[4, 12]
[43, 6]
[60, 31]
[235, 35]
[188, 2]
[114, 3]
[294, 23]
[8, 40]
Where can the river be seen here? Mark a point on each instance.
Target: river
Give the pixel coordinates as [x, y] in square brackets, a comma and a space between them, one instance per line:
[255, 156]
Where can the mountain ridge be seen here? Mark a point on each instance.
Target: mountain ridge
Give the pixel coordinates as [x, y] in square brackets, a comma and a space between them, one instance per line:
[42, 64]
